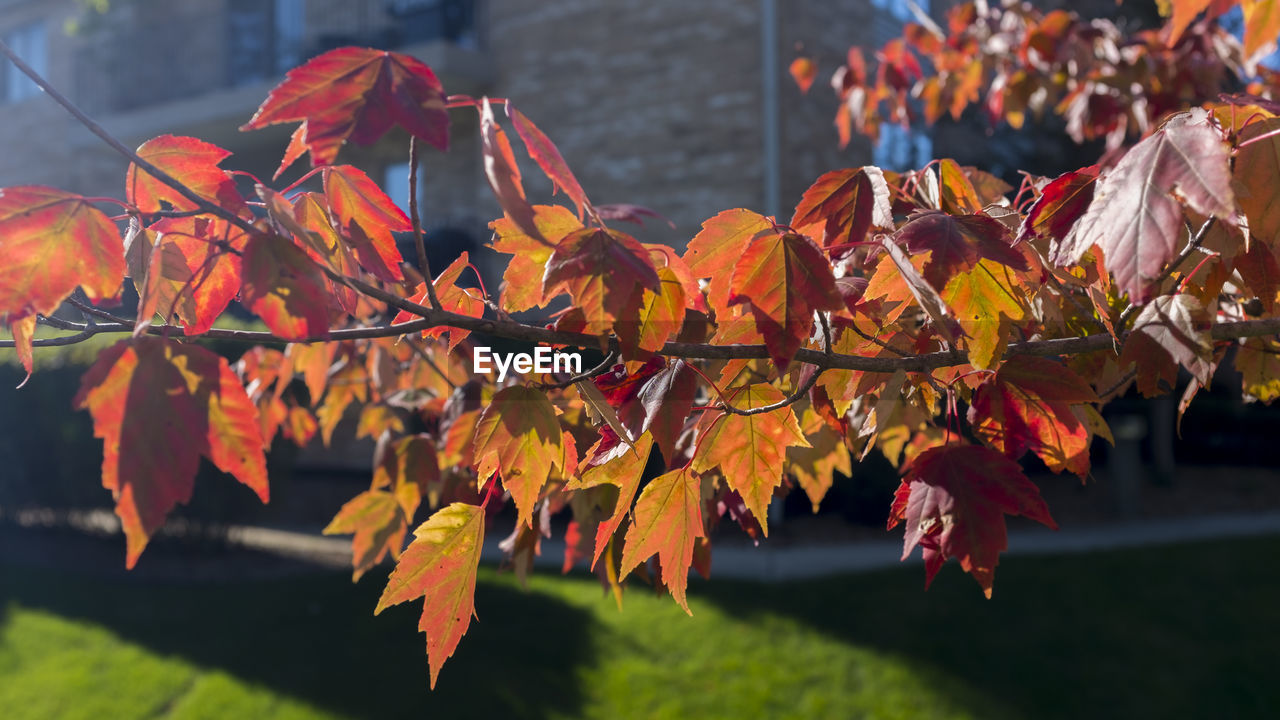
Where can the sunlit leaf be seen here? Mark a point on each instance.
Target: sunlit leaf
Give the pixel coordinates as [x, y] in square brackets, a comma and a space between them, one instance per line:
[158, 407]
[356, 94]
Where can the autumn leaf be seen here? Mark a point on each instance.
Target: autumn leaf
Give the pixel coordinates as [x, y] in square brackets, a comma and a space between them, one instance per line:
[667, 522]
[529, 254]
[1260, 271]
[24, 330]
[367, 217]
[815, 466]
[661, 406]
[1173, 330]
[1135, 217]
[503, 173]
[306, 218]
[53, 242]
[408, 466]
[1257, 165]
[848, 203]
[715, 250]
[380, 516]
[803, 70]
[986, 304]
[452, 298]
[312, 361]
[600, 269]
[375, 519]
[886, 282]
[1027, 405]
[750, 450]
[1258, 362]
[200, 288]
[629, 212]
[548, 157]
[953, 500]
[158, 406]
[623, 472]
[957, 243]
[164, 284]
[1060, 205]
[783, 278]
[348, 383]
[439, 566]
[660, 317]
[1184, 13]
[518, 437]
[284, 288]
[300, 426]
[1261, 26]
[356, 94]
[376, 419]
[190, 161]
[956, 193]
[315, 233]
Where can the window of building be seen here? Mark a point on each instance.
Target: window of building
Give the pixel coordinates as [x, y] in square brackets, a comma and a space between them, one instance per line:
[264, 39]
[901, 9]
[427, 20]
[290, 26]
[395, 183]
[28, 41]
[901, 148]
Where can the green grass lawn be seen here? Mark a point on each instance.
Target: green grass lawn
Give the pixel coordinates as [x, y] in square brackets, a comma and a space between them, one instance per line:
[1186, 631]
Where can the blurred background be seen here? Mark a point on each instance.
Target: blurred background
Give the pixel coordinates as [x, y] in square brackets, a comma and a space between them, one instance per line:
[1156, 600]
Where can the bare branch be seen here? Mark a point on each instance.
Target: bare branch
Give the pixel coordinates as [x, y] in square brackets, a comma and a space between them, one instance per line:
[427, 276]
[513, 330]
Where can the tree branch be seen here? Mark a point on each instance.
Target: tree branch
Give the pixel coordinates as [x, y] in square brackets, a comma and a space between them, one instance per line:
[109, 139]
[512, 330]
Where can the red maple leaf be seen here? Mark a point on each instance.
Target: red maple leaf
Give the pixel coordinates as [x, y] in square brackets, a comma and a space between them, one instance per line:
[953, 500]
[355, 94]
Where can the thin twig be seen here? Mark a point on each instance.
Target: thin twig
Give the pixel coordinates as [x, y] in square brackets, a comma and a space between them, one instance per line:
[119, 147]
[1191, 247]
[1105, 396]
[417, 348]
[800, 391]
[419, 242]
[877, 341]
[88, 309]
[596, 371]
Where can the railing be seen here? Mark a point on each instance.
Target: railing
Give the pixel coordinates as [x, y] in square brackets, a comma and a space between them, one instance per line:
[151, 52]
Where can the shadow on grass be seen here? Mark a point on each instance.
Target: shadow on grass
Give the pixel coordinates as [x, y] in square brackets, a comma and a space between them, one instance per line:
[1184, 631]
[314, 637]
[1180, 631]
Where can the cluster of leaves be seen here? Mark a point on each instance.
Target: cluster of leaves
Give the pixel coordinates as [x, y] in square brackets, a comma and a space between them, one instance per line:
[934, 316]
[1016, 63]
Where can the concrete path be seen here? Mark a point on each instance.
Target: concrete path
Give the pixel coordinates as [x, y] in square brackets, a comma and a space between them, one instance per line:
[778, 564]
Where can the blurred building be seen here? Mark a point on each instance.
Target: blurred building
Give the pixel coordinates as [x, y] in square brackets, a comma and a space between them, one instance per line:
[683, 107]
